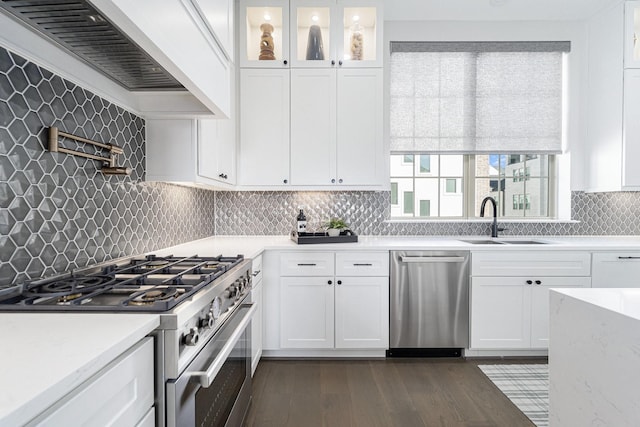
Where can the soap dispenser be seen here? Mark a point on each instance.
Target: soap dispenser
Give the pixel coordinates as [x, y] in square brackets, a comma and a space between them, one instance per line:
[302, 222]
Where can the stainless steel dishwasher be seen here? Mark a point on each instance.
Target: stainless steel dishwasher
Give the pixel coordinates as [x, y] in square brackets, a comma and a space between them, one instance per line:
[429, 303]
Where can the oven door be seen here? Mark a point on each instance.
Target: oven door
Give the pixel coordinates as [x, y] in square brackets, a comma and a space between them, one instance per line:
[215, 389]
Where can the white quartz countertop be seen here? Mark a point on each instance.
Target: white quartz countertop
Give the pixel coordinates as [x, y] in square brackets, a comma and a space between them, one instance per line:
[624, 301]
[251, 246]
[46, 355]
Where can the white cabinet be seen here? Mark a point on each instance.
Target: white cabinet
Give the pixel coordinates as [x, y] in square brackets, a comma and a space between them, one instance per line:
[121, 394]
[174, 33]
[613, 133]
[632, 34]
[264, 127]
[257, 322]
[509, 295]
[306, 312]
[336, 127]
[346, 309]
[615, 270]
[190, 151]
[324, 130]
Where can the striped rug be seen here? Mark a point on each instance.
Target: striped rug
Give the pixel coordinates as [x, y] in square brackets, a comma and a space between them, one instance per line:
[527, 386]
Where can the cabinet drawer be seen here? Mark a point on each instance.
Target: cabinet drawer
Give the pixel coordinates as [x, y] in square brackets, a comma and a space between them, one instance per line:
[531, 263]
[362, 263]
[616, 270]
[306, 264]
[121, 394]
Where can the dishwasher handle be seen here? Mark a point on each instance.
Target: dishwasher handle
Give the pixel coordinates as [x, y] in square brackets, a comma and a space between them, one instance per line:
[433, 259]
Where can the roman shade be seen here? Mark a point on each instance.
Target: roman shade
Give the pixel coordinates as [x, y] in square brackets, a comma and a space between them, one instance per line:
[476, 97]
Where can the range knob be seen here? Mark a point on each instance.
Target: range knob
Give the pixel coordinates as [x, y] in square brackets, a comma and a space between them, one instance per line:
[231, 292]
[192, 337]
[207, 321]
[216, 308]
[240, 283]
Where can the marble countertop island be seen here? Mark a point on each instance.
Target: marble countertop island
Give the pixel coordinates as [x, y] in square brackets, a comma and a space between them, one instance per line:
[594, 357]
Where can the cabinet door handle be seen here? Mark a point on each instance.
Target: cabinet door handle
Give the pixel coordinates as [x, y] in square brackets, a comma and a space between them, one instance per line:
[286, 181]
[339, 282]
[329, 282]
[529, 282]
[340, 62]
[363, 265]
[629, 257]
[285, 62]
[333, 62]
[333, 180]
[340, 181]
[307, 265]
[255, 273]
[538, 282]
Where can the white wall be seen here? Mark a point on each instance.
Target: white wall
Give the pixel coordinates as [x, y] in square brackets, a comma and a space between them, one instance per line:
[573, 31]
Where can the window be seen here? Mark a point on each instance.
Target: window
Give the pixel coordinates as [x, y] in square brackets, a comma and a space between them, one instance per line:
[451, 185]
[394, 193]
[458, 183]
[425, 208]
[454, 103]
[408, 202]
[425, 163]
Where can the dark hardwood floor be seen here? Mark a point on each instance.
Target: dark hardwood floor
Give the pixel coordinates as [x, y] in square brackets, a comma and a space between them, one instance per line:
[388, 392]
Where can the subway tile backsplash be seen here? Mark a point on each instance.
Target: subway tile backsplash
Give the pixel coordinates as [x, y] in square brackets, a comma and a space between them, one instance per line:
[57, 211]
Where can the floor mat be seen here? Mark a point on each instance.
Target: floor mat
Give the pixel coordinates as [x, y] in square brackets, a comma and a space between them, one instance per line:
[527, 386]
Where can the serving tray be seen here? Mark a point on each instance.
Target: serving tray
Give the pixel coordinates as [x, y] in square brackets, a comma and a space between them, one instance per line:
[346, 236]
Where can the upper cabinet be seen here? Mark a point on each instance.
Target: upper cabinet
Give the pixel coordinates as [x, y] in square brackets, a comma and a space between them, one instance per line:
[310, 33]
[264, 33]
[631, 35]
[613, 133]
[313, 121]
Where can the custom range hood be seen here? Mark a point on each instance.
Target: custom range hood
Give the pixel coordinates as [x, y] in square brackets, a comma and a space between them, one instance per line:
[82, 30]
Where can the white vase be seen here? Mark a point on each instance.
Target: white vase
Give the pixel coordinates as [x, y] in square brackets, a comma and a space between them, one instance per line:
[333, 232]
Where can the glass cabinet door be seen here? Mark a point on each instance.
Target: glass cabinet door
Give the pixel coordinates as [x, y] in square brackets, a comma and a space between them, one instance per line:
[632, 35]
[264, 34]
[361, 32]
[312, 35]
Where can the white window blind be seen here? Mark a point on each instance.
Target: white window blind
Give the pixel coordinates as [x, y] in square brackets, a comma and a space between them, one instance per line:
[476, 97]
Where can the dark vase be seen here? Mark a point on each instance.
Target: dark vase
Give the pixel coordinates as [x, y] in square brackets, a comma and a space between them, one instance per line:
[315, 51]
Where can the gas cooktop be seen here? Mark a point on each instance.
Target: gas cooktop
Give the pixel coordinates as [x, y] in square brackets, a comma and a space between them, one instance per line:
[150, 283]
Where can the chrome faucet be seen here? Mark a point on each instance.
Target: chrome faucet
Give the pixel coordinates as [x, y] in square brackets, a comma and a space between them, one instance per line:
[494, 225]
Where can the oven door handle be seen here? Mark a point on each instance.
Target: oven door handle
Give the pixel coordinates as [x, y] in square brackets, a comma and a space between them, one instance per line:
[205, 378]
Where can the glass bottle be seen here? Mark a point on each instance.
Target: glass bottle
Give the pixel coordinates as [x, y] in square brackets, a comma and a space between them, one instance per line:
[302, 222]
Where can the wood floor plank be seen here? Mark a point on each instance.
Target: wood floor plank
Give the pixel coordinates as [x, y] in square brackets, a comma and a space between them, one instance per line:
[387, 392]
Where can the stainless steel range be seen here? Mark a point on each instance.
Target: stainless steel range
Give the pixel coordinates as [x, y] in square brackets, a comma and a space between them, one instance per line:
[203, 346]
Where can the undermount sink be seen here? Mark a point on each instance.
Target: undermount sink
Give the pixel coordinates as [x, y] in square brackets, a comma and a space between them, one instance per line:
[483, 242]
[504, 242]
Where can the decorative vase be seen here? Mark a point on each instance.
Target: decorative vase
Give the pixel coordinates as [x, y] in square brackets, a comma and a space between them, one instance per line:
[333, 232]
[357, 41]
[266, 43]
[315, 51]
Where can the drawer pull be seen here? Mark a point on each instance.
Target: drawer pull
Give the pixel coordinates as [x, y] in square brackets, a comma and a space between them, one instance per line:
[307, 265]
[363, 265]
[629, 257]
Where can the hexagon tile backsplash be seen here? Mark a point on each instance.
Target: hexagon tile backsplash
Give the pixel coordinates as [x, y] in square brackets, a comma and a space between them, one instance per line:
[57, 211]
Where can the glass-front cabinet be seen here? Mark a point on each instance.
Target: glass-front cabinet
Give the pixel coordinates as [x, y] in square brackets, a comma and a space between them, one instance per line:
[632, 34]
[310, 34]
[264, 34]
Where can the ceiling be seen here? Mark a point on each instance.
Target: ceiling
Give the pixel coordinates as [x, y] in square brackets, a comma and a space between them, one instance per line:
[492, 10]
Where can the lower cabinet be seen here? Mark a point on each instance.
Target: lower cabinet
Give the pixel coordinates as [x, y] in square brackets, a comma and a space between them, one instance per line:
[327, 300]
[122, 394]
[332, 312]
[513, 312]
[257, 322]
